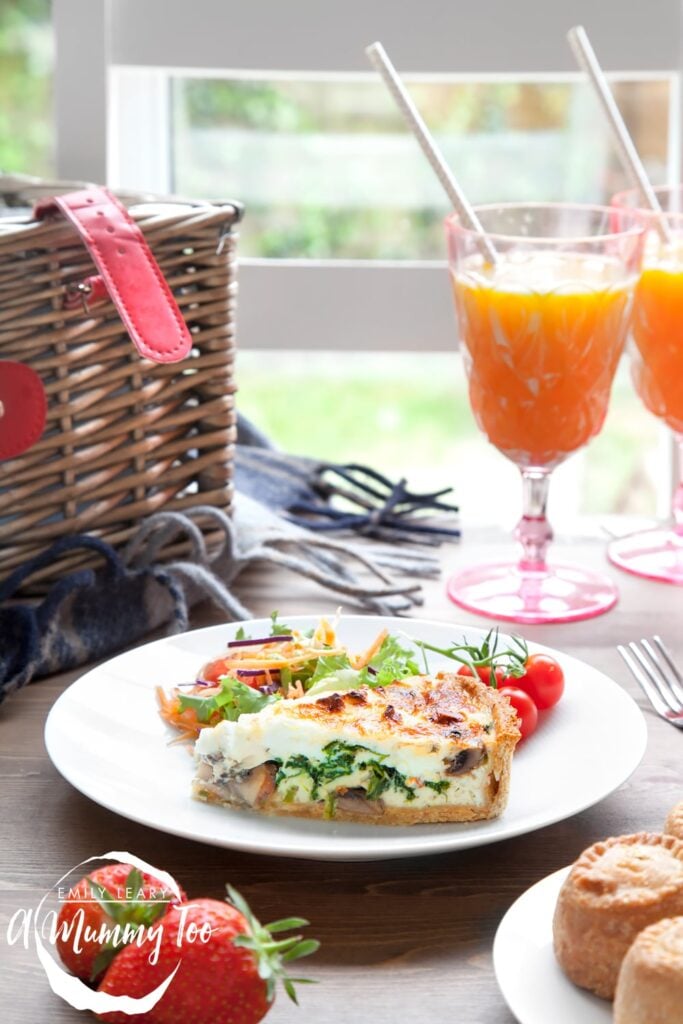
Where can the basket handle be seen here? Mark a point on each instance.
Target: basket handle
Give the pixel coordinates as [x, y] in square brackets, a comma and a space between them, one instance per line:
[128, 270]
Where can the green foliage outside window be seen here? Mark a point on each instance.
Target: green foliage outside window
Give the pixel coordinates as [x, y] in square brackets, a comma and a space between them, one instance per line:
[26, 57]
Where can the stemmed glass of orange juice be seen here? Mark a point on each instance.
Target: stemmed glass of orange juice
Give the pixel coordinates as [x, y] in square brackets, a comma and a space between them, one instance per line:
[657, 370]
[542, 328]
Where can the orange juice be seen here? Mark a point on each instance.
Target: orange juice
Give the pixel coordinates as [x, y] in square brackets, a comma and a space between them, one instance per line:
[542, 335]
[658, 334]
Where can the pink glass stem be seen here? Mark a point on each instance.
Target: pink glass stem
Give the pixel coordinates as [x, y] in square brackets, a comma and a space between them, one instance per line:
[677, 504]
[533, 531]
[656, 554]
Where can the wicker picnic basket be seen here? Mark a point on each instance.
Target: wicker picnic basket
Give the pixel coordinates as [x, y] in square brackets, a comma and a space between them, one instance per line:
[124, 437]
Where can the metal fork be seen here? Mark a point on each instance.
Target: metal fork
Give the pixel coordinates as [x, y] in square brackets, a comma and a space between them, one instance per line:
[657, 676]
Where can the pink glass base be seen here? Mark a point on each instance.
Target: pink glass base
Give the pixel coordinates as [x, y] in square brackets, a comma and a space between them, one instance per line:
[655, 554]
[561, 593]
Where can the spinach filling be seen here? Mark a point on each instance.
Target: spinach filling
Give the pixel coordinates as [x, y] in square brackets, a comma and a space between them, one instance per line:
[343, 759]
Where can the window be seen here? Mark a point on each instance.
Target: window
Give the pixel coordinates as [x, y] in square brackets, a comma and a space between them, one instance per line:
[409, 415]
[327, 169]
[26, 63]
[341, 249]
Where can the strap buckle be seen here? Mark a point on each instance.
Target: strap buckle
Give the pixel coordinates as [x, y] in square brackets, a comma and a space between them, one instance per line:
[76, 292]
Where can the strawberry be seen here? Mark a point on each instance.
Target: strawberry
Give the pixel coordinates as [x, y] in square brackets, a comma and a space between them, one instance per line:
[116, 894]
[228, 976]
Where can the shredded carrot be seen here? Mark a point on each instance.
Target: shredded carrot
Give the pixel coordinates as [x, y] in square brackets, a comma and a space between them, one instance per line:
[325, 634]
[185, 721]
[291, 654]
[310, 654]
[165, 705]
[361, 660]
[184, 737]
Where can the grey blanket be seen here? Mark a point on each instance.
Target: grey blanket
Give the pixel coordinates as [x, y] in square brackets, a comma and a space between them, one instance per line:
[90, 614]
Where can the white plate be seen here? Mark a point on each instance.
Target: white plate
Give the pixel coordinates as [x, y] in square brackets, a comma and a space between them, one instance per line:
[532, 982]
[105, 736]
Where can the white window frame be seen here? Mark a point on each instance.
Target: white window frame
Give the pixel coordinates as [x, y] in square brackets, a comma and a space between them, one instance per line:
[328, 304]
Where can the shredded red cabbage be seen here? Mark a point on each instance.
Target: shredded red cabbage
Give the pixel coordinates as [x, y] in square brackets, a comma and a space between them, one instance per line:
[258, 641]
[254, 671]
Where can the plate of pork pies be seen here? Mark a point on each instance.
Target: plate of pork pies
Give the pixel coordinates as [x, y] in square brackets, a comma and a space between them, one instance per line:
[600, 942]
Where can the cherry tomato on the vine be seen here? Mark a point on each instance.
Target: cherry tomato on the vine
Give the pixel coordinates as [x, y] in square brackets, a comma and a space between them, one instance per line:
[543, 680]
[484, 673]
[214, 670]
[527, 712]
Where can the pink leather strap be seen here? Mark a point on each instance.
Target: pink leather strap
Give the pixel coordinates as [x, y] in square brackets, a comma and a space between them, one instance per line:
[129, 271]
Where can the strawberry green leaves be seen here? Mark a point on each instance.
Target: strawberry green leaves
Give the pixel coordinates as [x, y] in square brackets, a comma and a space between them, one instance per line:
[140, 909]
[272, 954]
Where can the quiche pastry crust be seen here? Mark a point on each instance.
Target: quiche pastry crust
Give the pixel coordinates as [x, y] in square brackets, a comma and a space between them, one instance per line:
[614, 890]
[674, 822]
[650, 985]
[458, 734]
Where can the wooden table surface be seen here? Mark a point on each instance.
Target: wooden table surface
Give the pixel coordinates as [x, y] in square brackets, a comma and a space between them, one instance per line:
[403, 941]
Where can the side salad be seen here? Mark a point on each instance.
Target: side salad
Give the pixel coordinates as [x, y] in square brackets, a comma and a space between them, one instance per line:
[290, 663]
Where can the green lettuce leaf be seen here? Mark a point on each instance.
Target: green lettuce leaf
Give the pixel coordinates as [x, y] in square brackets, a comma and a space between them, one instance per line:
[233, 699]
[278, 628]
[392, 661]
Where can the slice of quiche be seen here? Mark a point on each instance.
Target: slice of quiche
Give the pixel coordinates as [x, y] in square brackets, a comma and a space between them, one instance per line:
[424, 749]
